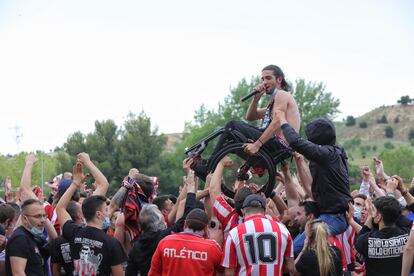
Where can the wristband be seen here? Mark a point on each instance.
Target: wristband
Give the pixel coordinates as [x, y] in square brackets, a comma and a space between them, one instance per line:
[260, 141]
[390, 194]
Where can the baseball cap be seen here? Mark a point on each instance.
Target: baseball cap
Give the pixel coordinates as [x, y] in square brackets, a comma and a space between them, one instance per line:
[63, 186]
[254, 201]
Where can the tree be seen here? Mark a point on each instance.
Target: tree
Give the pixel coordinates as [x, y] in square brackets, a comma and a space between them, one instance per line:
[363, 125]
[140, 146]
[382, 120]
[313, 101]
[75, 144]
[102, 148]
[405, 100]
[399, 161]
[389, 132]
[350, 121]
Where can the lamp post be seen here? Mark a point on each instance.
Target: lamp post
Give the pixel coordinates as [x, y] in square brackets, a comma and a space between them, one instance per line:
[41, 169]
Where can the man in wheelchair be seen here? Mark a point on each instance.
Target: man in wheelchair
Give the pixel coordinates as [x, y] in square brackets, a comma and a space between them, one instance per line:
[268, 135]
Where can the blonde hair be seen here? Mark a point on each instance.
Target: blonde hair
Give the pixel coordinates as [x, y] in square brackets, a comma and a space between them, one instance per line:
[318, 241]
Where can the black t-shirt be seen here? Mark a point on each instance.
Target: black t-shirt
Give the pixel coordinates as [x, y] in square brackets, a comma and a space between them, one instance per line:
[60, 254]
[22, 244]
[93, 252]
[382, 249]
[308, 263]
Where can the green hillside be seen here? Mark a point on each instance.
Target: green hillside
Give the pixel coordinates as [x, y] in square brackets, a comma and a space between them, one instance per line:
[367, 138]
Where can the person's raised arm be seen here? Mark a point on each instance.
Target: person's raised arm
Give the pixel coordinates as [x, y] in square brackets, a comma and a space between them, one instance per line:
[78, 177]
[207, 201]
[178, 211]
[279, 203]
[392, 184]
[304, 173]
[365, 174]
[350, 218]
[102, 184]
[379, 169]
[253, 112]
[290, 189]
[216, 179]
[404, 191]
[26, 180]
[122, 192]
[377, 190]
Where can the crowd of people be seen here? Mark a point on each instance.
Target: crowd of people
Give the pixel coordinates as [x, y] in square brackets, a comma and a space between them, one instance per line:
[311, 224]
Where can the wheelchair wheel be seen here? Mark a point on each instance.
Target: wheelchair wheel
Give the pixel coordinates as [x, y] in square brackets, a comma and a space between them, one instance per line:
[258, 169]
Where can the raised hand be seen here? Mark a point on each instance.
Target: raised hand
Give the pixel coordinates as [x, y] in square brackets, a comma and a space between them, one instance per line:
[350, 212]
[226, 162]
[379, 167]
[391, 184]
[365, 173]
[133, 173]
[31, 158]
[187, 163]
[8, 184]
[83, 157]
[189, 181]
[400, 186]
[78, 175]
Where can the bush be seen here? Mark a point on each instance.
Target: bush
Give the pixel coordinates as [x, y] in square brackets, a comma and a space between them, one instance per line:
[397, 119]
[389, 132]
[350, 121]
[363, 125]
[388, 145]
[382, 120]
[404, 100]
[411, 134]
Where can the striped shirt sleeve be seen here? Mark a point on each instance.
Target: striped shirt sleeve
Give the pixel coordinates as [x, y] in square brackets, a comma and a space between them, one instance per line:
[222, 210]
[229, 257]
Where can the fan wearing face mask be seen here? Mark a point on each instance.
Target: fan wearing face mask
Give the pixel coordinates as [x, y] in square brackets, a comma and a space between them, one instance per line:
[25, 250]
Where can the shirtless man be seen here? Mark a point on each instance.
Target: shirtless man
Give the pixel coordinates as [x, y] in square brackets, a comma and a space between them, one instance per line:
[268, 135]
[274, 84]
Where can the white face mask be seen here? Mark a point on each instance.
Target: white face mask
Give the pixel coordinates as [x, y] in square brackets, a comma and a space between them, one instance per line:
[357, 212]
[34, 230]
[106, 223]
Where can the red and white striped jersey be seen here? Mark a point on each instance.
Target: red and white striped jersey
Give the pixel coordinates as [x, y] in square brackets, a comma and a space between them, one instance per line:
[259, 246]
[347, 241]
[228, 216]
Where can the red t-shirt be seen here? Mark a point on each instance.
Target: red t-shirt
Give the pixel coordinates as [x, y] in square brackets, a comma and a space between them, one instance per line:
[186, 254]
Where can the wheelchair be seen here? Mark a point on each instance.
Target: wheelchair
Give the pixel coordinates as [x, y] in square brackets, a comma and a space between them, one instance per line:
[259, 169]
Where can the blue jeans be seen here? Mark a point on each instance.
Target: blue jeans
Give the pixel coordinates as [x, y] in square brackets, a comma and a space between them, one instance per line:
[298, 243]
[337, 223]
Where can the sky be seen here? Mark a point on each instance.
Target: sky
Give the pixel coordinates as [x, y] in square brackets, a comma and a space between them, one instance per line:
[66, 64]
